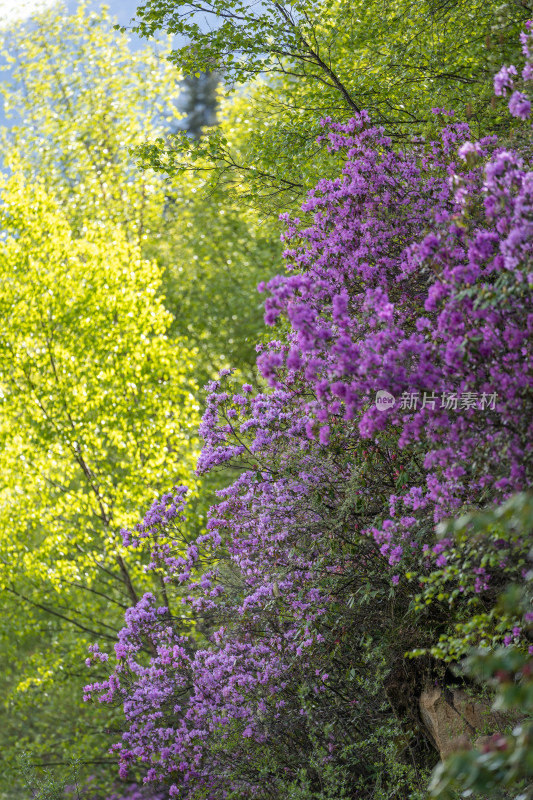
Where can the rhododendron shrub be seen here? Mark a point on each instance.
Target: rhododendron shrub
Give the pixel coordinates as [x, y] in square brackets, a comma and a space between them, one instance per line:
[292, 666]
[400, 394]
[374, 306]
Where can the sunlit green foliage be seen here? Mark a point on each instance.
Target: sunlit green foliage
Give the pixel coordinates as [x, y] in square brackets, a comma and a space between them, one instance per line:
[310, 59]
[80, 99]
[121, 294]
[98, 411]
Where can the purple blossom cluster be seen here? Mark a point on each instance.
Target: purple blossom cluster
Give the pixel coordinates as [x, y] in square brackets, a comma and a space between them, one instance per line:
[505, 79]
[375, 306]
[411, 272]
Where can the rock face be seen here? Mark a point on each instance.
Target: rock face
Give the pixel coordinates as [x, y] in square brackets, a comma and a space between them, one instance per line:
[454, 719]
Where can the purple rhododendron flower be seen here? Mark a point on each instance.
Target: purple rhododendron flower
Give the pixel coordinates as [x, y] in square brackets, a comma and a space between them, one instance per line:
[504, 79]
[519, 105]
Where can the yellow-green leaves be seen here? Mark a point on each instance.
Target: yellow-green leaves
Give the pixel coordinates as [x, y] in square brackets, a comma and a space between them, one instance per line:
[80, 98]
[98, 406]
[121, 293]
[98, 413]
[304, 61]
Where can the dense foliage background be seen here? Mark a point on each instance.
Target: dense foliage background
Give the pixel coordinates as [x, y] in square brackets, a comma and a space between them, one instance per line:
[339, 526]
[118, 303]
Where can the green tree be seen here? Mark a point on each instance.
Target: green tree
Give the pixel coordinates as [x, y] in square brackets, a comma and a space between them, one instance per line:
[98, 411]
[78, 98]
[309, 59]
[214, 254]
[81, 99]
[122, 293]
